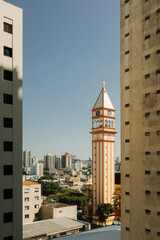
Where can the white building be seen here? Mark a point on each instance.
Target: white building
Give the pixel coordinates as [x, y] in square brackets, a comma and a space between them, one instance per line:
[37, 169]
[10, 121]
[27, 158]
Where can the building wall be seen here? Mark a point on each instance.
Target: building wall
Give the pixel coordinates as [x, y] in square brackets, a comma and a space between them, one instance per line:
[27, 158]
[140, 121]
[31, 205]
[11, 157]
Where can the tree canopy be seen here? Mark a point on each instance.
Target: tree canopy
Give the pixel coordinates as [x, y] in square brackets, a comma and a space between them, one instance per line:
[104, 210]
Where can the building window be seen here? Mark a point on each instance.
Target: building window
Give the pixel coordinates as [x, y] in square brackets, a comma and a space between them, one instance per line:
[127, 52]
[26, 216]
[127, 175]
[158, 71]
[158, 91]
[147, 192]
[158, 132]
[127, 123]
[147, 133]
[36, 215]
[127, 158]
[147, 76]
[158, 112]
[158, 10]
[8, 146]
[147, 172]
[8, 217]
[36, 206]
[127, 211]
[158, 31]
[158, 172]
[158, 153]
[147, 114]
[8, 193]
[127, 16]
[127, 34]
[158, 51]
[7, 122]
[26, 207]
[8, 169]
[60, 211]
[36, 198]
[127, 105]
[8, 238]
[127, 140]
[147, 18]
[127, 229]
[147, 37]
[127, 70]
[127, 87]
[7, 27]
[158, 213]
[158, 194]
[147, 211]
[7, 51]
[147, 231]
[147, 95]
[26, 199]
[7, 75]
[147, 56]
[127, 193]
[147, 153]
[36, 190]
[126, 1]
[7, 98]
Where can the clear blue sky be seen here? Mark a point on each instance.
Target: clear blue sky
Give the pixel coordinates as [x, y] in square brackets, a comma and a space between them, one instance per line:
[70, 46]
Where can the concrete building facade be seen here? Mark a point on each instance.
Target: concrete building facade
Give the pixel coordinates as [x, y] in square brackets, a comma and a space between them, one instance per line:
[140, 119]
[49, 162]
[10, 121]
[67, 160]
[103, 150]
[27, 158]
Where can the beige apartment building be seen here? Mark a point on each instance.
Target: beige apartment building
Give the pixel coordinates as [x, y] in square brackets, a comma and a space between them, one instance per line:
[31, 201]
[10, 121]
[140, 119]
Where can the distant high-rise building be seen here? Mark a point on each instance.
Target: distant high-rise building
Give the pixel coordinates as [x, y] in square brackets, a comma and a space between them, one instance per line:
[37, 169]
[27, 158]
[67, 160]
[57, 162]
[103, 150]
[49, 162]
[140, 119]
[10, 121]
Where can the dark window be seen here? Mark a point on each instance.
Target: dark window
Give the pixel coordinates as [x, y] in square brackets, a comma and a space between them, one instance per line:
[147, 231]
[146, 0]
[158, 91]
[7, 217]
[147, 114]
[7, 51]
[147, 192]
[8, 238]
[158, 10]
[127, 87]
[147, 133]
[127, 123]
[147, 18]
[147, 76]
[147, 172]
[127, 52]
[127, 140]
[8, 193]
[147, 211]
[127, 158]
[158, 51]
[127, 175]
[158, 172]
[147, 94]
[36, 215]
[127, 70]
[8, 169]
[127, 211]
[126, 1]
[158, 213]
[158, 31]
[158, 234]
[127, 16]
[7, 98]
[127, 34]
[158, 112]
[147, 37]
[127, 193]
[127, 105]
[147, 56]
[158, 153]
[8, 146]
[7, 75]
[158, 194]
[158, 132]
[127, 229]
[147, 153]
[7, 27]
[8, 122]
[158, 71]
[26, 216]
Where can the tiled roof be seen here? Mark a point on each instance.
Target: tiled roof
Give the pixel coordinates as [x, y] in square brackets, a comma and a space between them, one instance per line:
[30, 183]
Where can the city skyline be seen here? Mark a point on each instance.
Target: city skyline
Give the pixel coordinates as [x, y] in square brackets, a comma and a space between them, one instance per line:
[65, 62]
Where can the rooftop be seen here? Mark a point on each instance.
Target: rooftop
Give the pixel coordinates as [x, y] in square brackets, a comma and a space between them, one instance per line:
[56, 205]
[30, 183]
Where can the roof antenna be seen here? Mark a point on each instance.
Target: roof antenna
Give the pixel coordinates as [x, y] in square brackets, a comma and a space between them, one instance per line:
[103, 84]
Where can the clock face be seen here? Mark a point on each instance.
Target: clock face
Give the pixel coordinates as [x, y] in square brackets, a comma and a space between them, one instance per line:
[97, 113]
[109, 113]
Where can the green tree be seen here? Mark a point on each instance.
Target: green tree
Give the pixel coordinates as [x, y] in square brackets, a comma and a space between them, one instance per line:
[49, 188]
[117, 198]
[45, 177]
[104, 210]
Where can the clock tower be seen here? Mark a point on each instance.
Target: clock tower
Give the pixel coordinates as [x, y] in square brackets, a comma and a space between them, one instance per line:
[103, 150]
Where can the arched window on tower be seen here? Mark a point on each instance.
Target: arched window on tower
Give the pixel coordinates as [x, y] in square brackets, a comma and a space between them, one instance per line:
[112, 124]
[101, 124]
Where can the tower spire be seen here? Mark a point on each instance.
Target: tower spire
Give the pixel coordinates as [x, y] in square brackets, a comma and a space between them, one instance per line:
[103, 83]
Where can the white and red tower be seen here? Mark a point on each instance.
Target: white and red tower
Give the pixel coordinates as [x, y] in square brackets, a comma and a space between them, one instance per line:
[103, 150]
